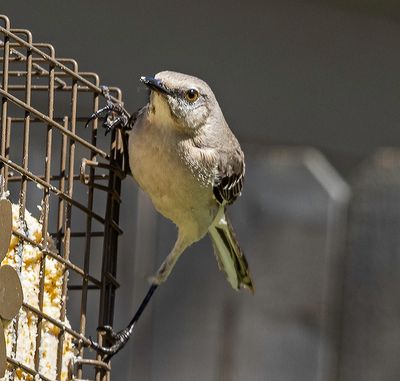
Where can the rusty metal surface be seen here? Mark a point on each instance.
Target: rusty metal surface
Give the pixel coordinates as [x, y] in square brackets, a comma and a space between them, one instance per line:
[42, 95]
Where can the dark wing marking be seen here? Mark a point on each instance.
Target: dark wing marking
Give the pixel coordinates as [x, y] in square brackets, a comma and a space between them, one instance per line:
[132, 119]
[125, 139]
[230, 175]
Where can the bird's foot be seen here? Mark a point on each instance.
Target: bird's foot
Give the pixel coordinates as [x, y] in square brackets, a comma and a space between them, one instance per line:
[115, 341]
[113, 114]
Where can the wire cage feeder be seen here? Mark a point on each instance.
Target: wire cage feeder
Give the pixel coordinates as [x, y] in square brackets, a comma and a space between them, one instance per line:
[49, 160]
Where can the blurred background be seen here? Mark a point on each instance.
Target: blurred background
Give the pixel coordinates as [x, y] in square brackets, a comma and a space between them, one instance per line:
[311, 89]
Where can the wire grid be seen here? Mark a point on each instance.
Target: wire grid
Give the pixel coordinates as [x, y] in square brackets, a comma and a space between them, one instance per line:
[76, 180]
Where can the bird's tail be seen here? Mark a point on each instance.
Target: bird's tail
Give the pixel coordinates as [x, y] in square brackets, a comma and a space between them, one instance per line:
[230, 257]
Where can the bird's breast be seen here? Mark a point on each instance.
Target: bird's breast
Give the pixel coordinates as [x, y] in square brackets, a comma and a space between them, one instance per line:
[162, 172]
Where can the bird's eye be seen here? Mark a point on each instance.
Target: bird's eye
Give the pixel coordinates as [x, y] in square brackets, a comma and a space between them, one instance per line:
[191, 95]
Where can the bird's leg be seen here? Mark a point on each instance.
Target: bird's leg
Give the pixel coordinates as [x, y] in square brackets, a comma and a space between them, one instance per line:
[117, 340]
[169, 262]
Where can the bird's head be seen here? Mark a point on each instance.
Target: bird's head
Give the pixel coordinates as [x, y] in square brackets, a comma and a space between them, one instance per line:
[184, 100]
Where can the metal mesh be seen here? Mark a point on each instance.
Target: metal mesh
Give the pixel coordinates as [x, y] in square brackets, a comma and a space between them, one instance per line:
[48, 158]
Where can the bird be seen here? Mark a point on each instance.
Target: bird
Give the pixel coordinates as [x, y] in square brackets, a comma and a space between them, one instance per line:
[182, 153]
[184, 156]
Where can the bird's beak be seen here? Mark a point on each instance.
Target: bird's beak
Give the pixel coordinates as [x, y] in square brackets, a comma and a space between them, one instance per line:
[155, 85]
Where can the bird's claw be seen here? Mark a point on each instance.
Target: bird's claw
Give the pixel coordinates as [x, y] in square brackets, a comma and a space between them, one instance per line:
[113, 114]
[115, 341]
[108, 333]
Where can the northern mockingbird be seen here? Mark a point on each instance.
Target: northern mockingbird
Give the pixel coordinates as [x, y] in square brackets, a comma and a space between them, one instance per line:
[184, 156]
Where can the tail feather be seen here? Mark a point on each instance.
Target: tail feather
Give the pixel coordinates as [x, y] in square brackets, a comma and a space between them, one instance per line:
[230, 257]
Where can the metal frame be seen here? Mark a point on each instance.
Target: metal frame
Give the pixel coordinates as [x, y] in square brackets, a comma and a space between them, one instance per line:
[29, 69]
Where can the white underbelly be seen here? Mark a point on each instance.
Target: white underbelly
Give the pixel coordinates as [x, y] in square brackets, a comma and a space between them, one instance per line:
[162, 174]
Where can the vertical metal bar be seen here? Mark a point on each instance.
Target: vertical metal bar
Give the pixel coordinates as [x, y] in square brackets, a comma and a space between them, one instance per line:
[110, 245]
[116, 185]
[99, 373]
[88, 226]
[7, 152]
[6, 55]
[4, 118]
[71, 163]
[110, 238]
[44, 232]
[86, 266]
[47, 174]
[3, 153]
[25, 162]
[61, 186]
[65, 253]
[27, 118]
[3, 149]
[48, 158]
[105, 317]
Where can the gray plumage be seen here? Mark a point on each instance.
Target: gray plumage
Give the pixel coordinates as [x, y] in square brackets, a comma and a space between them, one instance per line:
[184, 156]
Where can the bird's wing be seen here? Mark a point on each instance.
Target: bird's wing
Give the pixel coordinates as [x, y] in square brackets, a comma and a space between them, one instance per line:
[132, 119]
[228, 182]
[125, 138]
